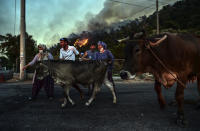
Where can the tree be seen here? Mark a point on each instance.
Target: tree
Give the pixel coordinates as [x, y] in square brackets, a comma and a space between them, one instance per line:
[3, 61]
[10, 45]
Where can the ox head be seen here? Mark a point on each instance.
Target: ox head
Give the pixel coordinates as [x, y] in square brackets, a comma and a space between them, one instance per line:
[133, 53]
[137, 56]
[41, 70]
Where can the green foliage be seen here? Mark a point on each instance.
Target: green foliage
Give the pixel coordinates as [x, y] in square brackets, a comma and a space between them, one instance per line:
[4, 61]
[10, 47]
[55, 51]
[183, 15]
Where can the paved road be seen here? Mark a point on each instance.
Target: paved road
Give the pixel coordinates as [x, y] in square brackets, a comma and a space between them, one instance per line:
[137, 109]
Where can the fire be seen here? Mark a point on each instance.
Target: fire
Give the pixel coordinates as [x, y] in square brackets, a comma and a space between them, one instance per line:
[81, 43]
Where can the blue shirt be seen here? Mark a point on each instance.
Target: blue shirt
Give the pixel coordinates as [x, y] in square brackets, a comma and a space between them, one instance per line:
[91, 55]
[105, 55]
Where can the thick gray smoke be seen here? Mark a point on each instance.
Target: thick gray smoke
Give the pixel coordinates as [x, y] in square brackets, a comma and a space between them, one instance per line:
[115, 12]
[48, 26]
[111, 13]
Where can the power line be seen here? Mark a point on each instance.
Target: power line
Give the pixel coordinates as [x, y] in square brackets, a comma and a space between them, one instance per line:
[145, 7]
[159, 1]
[131, 4]
[126, 3]
[136, 5]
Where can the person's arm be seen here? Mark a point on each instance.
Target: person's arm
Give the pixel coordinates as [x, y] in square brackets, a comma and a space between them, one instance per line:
[111, 57]
[61, 56]
[75, 51]
[97, 55]
[84, 56]
[50, 56]
[32, 62]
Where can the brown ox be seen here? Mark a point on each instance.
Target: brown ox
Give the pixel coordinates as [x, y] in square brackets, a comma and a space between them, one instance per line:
[172, 58]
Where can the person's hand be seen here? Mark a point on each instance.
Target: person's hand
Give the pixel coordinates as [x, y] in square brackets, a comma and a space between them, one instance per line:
[110, 62]
[24, 68]
[84, 59]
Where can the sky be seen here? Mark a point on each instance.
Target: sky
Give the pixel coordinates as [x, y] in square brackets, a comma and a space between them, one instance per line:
[49, 20]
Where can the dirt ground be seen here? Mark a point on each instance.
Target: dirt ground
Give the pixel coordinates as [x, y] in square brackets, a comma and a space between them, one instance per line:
[137, 109]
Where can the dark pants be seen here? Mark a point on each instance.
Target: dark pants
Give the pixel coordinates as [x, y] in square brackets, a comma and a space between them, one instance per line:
[110, 77]
[48, 85]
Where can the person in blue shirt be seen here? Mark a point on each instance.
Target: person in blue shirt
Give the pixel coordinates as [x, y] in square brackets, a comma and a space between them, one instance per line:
[90, 54]
[105, 54]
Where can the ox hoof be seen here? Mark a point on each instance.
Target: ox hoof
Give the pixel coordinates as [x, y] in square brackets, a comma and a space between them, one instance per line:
[180, 121]
[63, 105]
[114, 101]
[87, 104]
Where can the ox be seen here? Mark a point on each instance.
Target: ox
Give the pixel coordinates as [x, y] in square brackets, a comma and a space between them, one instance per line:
[171, 58]
[67, 73]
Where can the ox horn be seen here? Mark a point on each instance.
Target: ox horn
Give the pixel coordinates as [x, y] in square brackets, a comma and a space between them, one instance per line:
[159, 41]
[124, 39]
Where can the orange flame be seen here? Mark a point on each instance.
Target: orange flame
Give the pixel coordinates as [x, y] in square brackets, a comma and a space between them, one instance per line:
[81, 43]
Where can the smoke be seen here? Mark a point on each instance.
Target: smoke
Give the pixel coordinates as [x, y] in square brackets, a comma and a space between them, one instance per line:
[48, 26]
[111, 13]
[53, 24]
[115, 12]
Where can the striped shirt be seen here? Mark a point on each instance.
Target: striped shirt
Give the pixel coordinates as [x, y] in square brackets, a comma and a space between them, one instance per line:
[68, 54]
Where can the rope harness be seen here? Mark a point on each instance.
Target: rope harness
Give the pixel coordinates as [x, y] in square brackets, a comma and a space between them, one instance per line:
[149, 47]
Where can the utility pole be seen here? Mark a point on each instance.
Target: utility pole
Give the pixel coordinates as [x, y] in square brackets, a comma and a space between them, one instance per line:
[22, 40]
[157, 21]
[15, 17]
